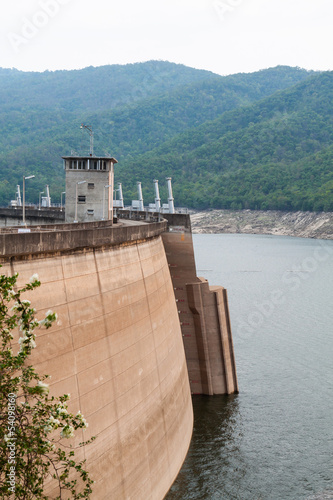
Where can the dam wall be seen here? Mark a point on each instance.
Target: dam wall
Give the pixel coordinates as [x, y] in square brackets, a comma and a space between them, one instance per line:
[203, 314]
[10, 216]
[116, 348]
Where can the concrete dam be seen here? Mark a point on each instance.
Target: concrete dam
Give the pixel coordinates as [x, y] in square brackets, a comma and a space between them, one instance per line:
[137, 333]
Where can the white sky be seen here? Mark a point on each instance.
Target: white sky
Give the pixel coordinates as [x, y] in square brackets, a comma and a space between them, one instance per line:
[223, 36]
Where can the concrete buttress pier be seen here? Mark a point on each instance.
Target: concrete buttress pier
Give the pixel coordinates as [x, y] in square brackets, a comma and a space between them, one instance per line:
[203, 314]
[209, 306]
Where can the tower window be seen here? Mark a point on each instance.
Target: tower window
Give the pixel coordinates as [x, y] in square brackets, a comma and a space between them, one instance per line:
[91, 185]
[81, 198]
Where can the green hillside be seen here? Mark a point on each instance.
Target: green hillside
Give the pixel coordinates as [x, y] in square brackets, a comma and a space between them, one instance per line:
[246, 140]
[275, 154]
[151, 122]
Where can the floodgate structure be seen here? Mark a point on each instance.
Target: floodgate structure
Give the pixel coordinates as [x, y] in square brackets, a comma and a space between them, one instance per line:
[137, 331]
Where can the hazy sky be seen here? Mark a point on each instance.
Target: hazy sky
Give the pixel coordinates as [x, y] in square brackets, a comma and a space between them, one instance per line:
[223, 36]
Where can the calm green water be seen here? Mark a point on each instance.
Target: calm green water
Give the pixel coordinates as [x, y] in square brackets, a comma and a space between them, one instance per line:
[273, 441]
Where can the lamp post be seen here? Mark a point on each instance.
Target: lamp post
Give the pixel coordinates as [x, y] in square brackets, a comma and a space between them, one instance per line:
[115, 202]
[79, 182]
[111, 183]
[40, 192]
[23, 208]
[106, 186]
[63, 192]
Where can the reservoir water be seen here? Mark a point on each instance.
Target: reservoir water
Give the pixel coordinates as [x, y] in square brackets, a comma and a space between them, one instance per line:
[274, 440]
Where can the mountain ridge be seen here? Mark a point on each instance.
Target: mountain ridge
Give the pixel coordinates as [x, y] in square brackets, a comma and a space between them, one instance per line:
[159, 118]
[272, 135]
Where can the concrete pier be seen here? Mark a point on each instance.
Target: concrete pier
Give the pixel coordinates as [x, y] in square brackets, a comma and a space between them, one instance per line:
[203, 313]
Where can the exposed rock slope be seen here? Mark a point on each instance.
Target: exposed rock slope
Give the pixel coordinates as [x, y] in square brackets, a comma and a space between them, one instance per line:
[302, 224]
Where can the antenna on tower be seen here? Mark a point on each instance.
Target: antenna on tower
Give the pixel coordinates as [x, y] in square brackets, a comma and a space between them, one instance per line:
[91, 133]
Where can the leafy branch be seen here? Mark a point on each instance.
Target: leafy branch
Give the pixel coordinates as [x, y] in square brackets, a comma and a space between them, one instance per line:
[33, 425]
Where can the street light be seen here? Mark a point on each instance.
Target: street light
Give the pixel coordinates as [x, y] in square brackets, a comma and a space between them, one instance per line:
[40, 192]
[79, 182]
[106, 186]
[111, 184]
[23, 211]
[64, 192]
[115, 201]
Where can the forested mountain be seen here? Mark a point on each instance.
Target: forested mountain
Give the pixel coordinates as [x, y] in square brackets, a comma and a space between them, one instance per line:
[259, 140]
[275, 154]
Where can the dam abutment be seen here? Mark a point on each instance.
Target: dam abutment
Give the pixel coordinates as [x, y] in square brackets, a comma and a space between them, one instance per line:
[203, 313]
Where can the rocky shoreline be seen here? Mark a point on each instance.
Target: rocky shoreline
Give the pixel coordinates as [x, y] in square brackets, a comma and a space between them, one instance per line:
[302, 224]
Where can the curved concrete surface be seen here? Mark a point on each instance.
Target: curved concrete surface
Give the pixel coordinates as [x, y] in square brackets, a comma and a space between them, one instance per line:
[117, 349]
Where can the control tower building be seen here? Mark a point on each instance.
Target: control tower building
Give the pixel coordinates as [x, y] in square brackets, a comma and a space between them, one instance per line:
[89, 188]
